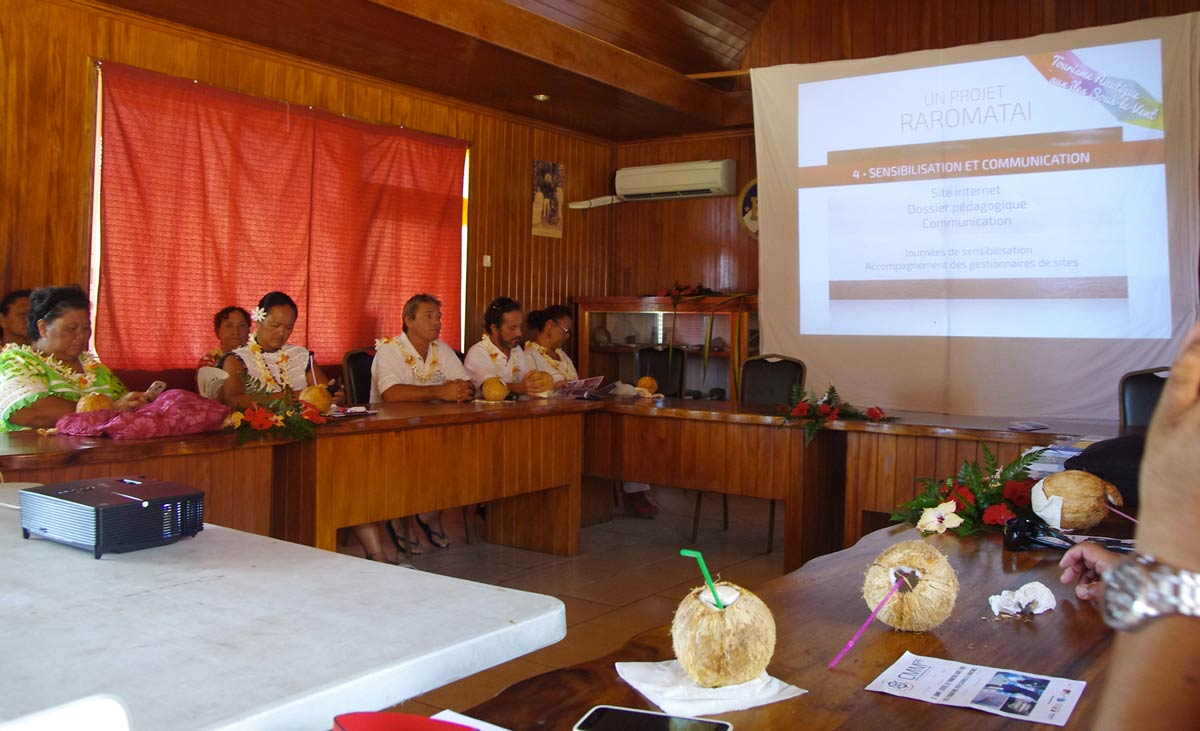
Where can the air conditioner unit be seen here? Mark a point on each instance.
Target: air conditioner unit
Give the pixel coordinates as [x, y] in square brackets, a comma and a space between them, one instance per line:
[677, 180]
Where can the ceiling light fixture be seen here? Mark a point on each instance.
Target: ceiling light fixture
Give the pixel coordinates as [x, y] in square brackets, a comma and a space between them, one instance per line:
[541, 97]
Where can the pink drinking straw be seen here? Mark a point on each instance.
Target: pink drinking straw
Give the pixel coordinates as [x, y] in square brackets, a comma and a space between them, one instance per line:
[1123, 515]
[863, 628]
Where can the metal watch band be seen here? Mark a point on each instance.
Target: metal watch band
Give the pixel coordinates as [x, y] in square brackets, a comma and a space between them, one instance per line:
[1176, 588]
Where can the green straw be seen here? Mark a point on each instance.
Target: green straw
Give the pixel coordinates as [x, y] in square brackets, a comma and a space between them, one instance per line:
[704, 570]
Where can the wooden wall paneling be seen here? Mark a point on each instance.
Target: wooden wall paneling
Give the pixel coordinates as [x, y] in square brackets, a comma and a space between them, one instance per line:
[657, 243]
[47, 108]
[805, 31]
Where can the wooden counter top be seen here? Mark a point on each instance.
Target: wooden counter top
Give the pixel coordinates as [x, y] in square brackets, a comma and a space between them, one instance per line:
[27, 450]
[915, 423]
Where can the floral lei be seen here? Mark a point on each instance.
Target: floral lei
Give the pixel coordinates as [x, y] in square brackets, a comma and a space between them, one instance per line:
[494, 353]
[273, 381]
[556, 361]
[83, 381]
[411, 357]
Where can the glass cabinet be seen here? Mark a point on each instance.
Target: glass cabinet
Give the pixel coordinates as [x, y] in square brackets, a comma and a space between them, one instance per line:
[609, 330]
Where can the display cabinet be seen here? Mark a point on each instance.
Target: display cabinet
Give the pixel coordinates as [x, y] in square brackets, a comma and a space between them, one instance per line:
[609, 330]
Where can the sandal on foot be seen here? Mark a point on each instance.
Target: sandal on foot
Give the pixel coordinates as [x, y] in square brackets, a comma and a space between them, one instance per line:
[414, 544]
[435, 537]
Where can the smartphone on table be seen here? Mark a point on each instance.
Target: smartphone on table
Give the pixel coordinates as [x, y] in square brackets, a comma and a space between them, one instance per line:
[616, 718]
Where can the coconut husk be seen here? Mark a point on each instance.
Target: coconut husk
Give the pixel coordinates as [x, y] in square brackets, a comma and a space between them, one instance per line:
[718, 647]
[93, 402]
[1085, 498]
[926, 597]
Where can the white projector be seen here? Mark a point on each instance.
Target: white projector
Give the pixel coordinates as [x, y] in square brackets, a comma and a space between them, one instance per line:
[112, 514]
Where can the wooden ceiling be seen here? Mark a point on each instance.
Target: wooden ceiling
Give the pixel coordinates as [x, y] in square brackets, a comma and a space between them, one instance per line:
[616, 69]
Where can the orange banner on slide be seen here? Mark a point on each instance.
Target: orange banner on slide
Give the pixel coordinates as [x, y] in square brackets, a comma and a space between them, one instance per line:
[985, 158]
[982, 289]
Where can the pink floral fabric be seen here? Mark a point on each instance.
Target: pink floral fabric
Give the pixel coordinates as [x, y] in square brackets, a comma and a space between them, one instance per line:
[174, 413]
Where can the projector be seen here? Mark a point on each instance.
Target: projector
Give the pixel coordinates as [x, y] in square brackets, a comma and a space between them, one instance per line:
[112, 514]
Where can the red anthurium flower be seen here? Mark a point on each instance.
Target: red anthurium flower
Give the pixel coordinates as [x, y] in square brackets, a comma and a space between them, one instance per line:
[1018, 492]
[833, 414]
[824, 409]
[801, 409]
[998, 514]
[260, 418]
[875, 414]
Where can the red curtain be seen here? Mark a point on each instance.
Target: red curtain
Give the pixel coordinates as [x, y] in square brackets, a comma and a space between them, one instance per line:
[211, 198]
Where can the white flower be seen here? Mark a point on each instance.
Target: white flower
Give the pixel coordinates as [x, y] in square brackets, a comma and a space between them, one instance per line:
[937, 520]
[258, 314]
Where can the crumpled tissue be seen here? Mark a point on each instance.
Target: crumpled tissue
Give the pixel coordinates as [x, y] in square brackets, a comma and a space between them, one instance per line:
[1033, 598]
[667, 686]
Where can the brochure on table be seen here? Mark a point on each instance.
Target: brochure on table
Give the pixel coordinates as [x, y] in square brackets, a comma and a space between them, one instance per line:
[1010, 693]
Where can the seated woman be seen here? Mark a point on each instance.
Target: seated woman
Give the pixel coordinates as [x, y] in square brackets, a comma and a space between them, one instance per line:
[42, 381]
[232, 327]
[267, 363]
[14, 308]
[551, 328]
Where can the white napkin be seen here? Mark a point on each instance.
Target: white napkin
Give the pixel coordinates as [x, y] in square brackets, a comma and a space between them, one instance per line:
[1034, 597]
[666, 685]
[1047, 508]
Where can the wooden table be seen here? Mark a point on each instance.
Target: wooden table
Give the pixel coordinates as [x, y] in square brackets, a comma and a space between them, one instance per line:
[816, 611]
[851, 468]
[525, 458]
[237, 481]
[232, 630]
[713, 446]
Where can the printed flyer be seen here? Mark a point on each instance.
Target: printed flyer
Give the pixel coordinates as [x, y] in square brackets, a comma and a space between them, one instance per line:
[1009, 693]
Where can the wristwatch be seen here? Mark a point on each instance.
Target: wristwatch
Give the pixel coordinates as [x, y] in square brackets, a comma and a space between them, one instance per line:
[1142, 588]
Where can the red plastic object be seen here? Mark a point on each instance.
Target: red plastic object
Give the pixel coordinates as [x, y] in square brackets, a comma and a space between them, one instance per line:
[384, 721]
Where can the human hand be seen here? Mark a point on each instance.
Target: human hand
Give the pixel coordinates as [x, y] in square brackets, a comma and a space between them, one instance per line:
[131, 401]
[537, 382]
[336, 394]
[1083, 566]
[208, 360]
[1169, 504]
[457, 391]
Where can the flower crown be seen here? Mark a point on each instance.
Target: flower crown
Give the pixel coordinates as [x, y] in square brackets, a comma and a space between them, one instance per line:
[258, 314]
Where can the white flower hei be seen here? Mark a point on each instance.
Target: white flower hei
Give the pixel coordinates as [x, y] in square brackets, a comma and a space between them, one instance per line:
[937, 520]
[258, 314]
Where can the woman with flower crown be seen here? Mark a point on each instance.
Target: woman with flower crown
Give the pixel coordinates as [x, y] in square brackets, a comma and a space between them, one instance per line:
[267, 363]
[44, 380]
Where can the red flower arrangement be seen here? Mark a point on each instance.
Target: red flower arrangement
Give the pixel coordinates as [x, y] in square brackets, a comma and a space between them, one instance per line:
[284, 416]
[816, 412]
[975, 499]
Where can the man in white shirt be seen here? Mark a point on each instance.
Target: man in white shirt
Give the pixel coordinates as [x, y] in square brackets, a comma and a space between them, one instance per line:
[499, 354]
[415, 365]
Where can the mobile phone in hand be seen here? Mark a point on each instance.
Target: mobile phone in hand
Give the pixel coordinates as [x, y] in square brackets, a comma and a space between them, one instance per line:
[155, 390]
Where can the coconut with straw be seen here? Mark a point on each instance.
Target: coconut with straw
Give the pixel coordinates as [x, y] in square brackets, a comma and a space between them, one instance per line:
[926, 586]
[718, 647]
[722, 634]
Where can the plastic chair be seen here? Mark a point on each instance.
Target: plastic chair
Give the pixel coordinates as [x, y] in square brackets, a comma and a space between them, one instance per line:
[665, 365]
[356, 373]
[1138, 392]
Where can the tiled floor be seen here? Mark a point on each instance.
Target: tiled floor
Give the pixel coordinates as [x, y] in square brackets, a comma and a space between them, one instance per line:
[628, 578]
